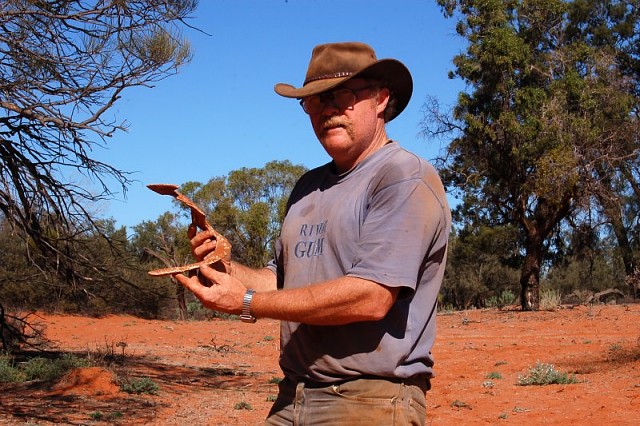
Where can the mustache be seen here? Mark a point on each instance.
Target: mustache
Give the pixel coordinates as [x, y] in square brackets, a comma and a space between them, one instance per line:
[336, 121]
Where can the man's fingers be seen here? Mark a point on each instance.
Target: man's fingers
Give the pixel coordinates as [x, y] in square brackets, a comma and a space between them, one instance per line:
[211, 274]
[192, 284]
[202, 243]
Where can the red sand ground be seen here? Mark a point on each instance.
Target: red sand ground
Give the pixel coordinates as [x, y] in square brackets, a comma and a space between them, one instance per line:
[222, 372]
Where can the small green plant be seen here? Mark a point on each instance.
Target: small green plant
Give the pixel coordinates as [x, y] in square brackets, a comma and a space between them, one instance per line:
[140, 386]
[545, 374]
[116, 415]
[268, 338]
[242, 406]
[493, 375]
[506, 298]
[275, 380]
[272, 398]
[96, 415]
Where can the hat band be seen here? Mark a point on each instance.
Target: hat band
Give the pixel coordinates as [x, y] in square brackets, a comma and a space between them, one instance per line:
[326, 76]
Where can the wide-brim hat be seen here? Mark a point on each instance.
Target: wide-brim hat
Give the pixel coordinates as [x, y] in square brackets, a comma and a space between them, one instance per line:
[334, 63]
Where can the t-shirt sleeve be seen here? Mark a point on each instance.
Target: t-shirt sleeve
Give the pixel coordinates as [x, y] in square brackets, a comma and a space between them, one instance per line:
[401, 225]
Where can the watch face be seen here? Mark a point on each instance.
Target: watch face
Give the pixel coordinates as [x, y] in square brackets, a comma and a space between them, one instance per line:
[247, 318]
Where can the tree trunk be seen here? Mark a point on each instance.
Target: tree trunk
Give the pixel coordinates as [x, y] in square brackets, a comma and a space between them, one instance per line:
[530, 275]
[626, 252]
[182, 304]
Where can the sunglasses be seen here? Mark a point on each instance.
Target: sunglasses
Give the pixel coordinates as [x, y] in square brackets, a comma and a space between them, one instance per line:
[341, 98]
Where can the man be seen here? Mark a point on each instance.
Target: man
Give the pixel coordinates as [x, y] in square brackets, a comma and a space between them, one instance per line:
[360, 258]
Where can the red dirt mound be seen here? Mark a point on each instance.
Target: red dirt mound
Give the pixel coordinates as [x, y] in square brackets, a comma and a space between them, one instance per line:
[91, 381]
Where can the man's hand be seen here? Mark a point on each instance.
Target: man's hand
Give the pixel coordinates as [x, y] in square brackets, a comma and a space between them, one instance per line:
[225, 295]
[203, 243]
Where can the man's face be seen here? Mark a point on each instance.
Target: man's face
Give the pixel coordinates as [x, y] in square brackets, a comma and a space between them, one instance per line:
[346, 132]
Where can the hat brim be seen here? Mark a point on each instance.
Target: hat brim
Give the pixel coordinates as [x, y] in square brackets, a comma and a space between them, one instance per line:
[392, 73]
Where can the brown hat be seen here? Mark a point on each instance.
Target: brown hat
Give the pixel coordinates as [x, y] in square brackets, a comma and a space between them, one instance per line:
[334, 63]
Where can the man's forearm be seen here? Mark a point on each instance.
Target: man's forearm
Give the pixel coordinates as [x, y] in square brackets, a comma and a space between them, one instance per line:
[258, 279]
[340, 301]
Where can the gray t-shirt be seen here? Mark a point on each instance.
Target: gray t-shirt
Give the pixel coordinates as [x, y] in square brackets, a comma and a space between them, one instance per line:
[387, 220]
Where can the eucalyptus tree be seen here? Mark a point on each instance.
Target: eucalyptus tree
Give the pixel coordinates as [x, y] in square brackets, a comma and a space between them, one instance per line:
[63, 65]
[614, 27]
[541, 112]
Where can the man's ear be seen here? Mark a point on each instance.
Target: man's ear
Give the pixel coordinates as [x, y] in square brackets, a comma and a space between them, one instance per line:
[383, 99]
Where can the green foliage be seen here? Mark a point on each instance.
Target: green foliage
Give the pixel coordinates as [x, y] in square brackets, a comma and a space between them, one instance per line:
[8, 372]
[114, 283]
[38, 368]
[545, 374]
[50, 369]
[481, 268]
[242, 406]
[548, 128]
[143, 385]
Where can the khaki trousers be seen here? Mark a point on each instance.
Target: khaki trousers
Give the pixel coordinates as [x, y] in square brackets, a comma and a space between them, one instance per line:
[366, 401]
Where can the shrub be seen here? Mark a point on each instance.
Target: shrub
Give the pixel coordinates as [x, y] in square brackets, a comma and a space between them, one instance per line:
[493, 375]
[242, 406]
[506, 298]
[139, 386]
[39, 368]
[549, 299]
[50, 369]
[8, 373]
[545, 374]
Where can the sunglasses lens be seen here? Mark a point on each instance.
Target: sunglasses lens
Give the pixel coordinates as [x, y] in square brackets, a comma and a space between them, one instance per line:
[341, 99]
[312, 104]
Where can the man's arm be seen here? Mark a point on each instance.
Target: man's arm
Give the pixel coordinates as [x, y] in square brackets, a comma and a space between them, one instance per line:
[257, 279]
[340, 301]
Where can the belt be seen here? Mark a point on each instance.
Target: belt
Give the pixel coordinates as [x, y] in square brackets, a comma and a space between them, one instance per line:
[420, 380]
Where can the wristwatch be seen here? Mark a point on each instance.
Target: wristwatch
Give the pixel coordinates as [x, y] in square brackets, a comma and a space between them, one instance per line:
[246, 316]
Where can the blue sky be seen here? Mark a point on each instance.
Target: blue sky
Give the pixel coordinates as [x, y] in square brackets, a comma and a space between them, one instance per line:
[220, 113]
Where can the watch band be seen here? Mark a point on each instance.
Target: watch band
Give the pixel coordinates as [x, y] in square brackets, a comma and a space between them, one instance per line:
[246, 307]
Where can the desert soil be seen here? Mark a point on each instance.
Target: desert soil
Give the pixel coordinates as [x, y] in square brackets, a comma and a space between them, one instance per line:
[223, 372]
